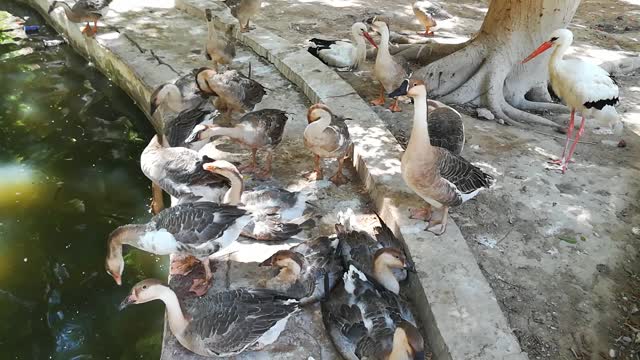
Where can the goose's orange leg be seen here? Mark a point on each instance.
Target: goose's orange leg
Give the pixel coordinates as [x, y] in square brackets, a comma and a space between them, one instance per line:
[380, 100]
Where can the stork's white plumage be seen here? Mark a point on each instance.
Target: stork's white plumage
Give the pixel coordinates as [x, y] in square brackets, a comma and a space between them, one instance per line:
[584, 87]
[343, 53]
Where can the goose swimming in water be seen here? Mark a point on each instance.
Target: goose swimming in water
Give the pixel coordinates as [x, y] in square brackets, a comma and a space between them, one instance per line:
[220, 324]
[439, 177]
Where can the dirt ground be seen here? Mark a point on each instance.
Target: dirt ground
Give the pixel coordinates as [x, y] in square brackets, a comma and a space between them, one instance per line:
[560, 251]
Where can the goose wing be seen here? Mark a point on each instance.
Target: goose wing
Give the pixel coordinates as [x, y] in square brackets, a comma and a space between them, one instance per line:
[271, 122]
[197, 223]
[446, 129]
[231, 321]
[466, 177]
[357, 247]
[181, 126]
[94, 6]
[233, 85]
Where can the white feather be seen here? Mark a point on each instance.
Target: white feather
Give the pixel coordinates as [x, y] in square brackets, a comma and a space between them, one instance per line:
[160, 242]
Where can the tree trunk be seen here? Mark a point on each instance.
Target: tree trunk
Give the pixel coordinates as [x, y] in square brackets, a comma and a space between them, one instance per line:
[487, 71]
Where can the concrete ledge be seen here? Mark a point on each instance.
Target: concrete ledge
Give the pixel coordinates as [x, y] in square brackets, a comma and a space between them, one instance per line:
[460, 313]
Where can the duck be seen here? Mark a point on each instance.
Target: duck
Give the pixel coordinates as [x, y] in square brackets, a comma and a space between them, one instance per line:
[341, 53]
[327, 136]
[243, 10]
[179, 172]
[389, 70]
[446, 128]
[277, 214]
[83, 11]
[260, 129]
[199, 229]
[308, 271]
[220, 324]
[234, 91]
[366, 321]
[421, 9]
[382, 258]
[219, 49]
[438, 176]
[180, 115]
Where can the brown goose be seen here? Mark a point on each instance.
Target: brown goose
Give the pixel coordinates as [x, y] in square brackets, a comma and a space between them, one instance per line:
[243, 10]
[439, 177]
[260, 129]
[307, 271]
[83, 11]
[235, 92]
[421, 10]
[327, 136]
[219, 49]
[388, 70]
[220, 324]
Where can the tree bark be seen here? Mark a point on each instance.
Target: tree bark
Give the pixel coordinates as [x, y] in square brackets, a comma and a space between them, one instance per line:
[487, 71]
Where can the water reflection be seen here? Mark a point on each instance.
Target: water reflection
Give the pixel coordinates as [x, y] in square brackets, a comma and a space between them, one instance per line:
[69, 148]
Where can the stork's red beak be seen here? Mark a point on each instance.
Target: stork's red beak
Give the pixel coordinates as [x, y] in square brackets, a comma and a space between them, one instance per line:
[542, 48]
[370, 39]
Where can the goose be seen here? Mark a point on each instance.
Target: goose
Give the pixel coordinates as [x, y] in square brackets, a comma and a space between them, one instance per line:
[199, 229]
[220, 324]
[277, 213]
[388, 70]
[243, 10]
[421, 9]
[446, 128]
[235, 92]
[327, 136]
[438, 176]
[261, 129]
[180, 115]
[382, 258]
[219, 49]
[83, 11]
[341, 53]
[308, 271]
[366, 321]
[179, 172]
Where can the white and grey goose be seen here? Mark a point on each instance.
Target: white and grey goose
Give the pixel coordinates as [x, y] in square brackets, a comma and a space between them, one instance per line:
[342, 53]
[277, 214]
[198, 229]
[366, 321]
[220, 324]
[439, 177]
[180, 115]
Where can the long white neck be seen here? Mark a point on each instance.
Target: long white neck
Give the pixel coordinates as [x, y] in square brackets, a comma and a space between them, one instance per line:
[420, 132]
[234, 194]
[384, 276]
[233, 132]
[360, 54]
[383, 46]
[177, 321]
[556, 57]
[317, 127]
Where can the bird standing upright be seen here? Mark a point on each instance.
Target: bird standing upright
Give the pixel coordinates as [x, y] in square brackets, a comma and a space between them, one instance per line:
[584, 87]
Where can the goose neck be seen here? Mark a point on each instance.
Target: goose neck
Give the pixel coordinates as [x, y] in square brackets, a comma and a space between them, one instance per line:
[234, 194]
[420, 131]
[384, 276]
[177, 321]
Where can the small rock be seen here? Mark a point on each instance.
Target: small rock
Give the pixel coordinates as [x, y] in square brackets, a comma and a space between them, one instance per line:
[485, 114]
[626, 340]
[636, 231]
[612, 353]
[622, 144]
[634, 309]
[500, 121]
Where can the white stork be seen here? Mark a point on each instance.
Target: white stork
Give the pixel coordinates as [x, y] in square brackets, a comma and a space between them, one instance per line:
[584, 87]
[342, 53]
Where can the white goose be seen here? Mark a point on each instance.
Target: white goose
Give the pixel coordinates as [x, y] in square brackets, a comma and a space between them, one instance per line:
[341, 53]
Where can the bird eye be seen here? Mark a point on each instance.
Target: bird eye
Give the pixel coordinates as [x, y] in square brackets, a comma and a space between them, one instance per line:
[144, 287]
[554, 38]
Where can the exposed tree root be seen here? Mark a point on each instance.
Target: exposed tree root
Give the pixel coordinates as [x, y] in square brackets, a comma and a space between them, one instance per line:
[622, 66]
[420, 53]
[542, 106]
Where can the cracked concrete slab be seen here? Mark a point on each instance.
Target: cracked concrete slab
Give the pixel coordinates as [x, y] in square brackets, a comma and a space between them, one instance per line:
[147, 43]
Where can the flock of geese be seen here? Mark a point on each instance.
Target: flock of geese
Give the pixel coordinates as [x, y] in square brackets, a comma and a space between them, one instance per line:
[355, 275]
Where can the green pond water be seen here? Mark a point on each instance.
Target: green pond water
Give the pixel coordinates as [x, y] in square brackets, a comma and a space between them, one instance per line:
[70, 143]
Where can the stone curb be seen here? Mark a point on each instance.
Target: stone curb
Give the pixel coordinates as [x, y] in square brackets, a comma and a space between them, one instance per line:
[461, 315]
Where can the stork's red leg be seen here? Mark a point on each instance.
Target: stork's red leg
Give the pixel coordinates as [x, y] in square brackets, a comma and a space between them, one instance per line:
[575, 143]
[566, 143]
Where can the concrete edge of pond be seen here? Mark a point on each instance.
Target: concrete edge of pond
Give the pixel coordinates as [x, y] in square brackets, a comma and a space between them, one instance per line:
[461, 315]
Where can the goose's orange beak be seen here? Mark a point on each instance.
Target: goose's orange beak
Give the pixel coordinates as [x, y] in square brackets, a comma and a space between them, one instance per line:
[370, 39]
[542, 48]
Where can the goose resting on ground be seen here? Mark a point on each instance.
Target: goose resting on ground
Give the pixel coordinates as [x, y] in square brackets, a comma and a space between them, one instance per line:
[243, 10]
[327, 136]
[365, 321]
[83, 11]
[235, 92]
[222, 324]
[308, 271]
[260, 129]
[341, 53]
[439, 177]
[277, 214]
[219, 49]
